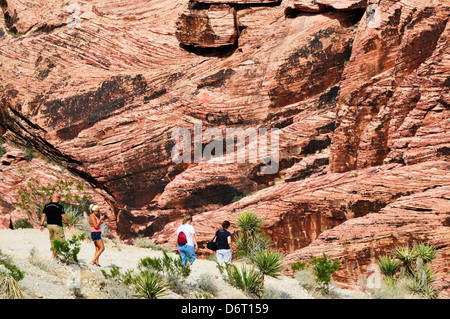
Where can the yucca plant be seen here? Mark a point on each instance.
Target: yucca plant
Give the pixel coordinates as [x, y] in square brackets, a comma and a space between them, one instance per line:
[389, 266]
[269, 262]
[9, 289]
[248, 280]
[426, 252]
[410, 263]
[149, 285]
[407, 256]
[249, 239]
[249, 223]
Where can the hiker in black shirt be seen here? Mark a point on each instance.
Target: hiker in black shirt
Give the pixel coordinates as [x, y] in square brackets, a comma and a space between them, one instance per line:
[223, 240]
[55, 214]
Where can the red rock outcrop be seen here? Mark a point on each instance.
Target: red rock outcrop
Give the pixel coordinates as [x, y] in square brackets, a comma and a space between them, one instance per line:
[394, 96]
[359, 242]
[97, 100]
[324, 5]
[296, 213]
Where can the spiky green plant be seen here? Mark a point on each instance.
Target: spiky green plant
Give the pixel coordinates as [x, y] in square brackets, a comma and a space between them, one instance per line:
[389, 266]
[248, 279]
[249, 238]
[413, 268]
[269, 262]
[9, 288]
[149, 285]
[426, 252]
[249, 222]
[407, 256]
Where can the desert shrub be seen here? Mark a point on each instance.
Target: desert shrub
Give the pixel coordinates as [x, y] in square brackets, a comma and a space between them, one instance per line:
[300, 265]
[10, 269]
[166, 266]
[248, 279]
[22, 223]
[149, 285]
[410, 264]
[29, 154]
[323, 268]
[207, 285]
[2, 151]
[67, 251]
[307, 280]
[269, 262]
[143, 243]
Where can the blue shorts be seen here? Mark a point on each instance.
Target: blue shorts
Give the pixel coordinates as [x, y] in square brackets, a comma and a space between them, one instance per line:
[96, 236]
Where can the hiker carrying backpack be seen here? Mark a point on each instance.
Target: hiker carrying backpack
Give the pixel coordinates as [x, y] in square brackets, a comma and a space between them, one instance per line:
[186, 241]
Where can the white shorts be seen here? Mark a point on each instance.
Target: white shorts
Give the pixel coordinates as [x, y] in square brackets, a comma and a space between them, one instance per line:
[224, 256]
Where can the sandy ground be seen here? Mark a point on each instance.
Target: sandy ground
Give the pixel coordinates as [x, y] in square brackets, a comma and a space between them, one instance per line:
[46, 278]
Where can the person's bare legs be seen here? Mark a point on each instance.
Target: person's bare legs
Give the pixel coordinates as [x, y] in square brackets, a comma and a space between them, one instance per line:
[99, 249]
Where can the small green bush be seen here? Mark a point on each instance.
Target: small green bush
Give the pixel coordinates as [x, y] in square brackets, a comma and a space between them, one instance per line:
[300, 266]
[22, 223]
[11, 269]
[323, 269]
[2, 151]
[67, 251]
[29, 154]
[166, 266]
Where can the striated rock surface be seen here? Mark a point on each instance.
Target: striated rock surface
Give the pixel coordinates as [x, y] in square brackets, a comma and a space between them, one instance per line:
[393, 102]
[359, 242]
[358, 91]
[103, 98]
[296, 213]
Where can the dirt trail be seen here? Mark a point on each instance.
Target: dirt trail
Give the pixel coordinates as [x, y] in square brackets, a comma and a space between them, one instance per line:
[45, 278]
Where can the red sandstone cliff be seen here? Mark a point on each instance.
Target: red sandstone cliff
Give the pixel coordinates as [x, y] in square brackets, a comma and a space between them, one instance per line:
[359, 90]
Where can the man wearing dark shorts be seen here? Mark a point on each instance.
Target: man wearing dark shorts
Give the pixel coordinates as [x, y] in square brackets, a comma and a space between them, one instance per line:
[55, 214]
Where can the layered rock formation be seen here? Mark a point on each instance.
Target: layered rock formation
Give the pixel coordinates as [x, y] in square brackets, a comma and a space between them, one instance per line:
[359, 91]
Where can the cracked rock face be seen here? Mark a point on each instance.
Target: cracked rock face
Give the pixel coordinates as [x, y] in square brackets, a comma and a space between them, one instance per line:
[358, 91]
[211, 28]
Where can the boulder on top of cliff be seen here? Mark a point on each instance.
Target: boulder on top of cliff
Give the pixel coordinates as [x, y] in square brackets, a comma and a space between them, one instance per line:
[324, 5]
[208, 28]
